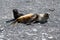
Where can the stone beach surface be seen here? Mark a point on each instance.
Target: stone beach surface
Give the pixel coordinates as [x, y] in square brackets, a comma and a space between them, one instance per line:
[20, 31]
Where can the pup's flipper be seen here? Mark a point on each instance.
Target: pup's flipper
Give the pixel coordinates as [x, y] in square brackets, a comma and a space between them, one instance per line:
[16, 14]
[13, 23]
[10, 21]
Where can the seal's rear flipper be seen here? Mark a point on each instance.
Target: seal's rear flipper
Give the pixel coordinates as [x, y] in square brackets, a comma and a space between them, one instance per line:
[10, 21]
[16, 14]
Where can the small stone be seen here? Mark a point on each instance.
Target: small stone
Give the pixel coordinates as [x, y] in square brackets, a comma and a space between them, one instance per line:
[1, 39]
[30, 33]
[0, 25]
[50, 37]
[5, 17]
[30, 8]
[40, 26]
[43, 39]
[38, 23]
[51, 9]
[1, 36]
[34, 29]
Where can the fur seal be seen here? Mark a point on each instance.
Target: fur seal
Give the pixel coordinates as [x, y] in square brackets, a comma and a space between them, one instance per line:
[32, 18]
[28, 18]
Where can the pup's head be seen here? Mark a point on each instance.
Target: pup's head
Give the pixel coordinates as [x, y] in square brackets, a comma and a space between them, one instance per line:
[43, 17]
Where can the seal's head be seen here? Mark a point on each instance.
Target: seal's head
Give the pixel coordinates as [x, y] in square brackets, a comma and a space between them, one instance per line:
[46, 16]
[43, 17]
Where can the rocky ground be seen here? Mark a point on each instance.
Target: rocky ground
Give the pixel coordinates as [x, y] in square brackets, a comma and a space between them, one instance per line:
[47, 31]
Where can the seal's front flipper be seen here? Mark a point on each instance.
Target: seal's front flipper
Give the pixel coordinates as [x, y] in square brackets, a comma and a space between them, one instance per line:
[16, 14]
[10, 21]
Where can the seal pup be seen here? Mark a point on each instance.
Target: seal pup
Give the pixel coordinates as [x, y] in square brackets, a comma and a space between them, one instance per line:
[32, 18]
[28, 18]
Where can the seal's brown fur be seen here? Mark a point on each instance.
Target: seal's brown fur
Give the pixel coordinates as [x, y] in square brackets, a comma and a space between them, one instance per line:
[30, 18]
[25, 18]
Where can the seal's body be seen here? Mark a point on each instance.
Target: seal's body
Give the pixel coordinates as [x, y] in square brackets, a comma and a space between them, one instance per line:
[32, 18]
[25, 18]
[29, 18]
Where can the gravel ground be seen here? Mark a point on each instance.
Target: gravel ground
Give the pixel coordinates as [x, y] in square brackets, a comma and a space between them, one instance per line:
[47, 31]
